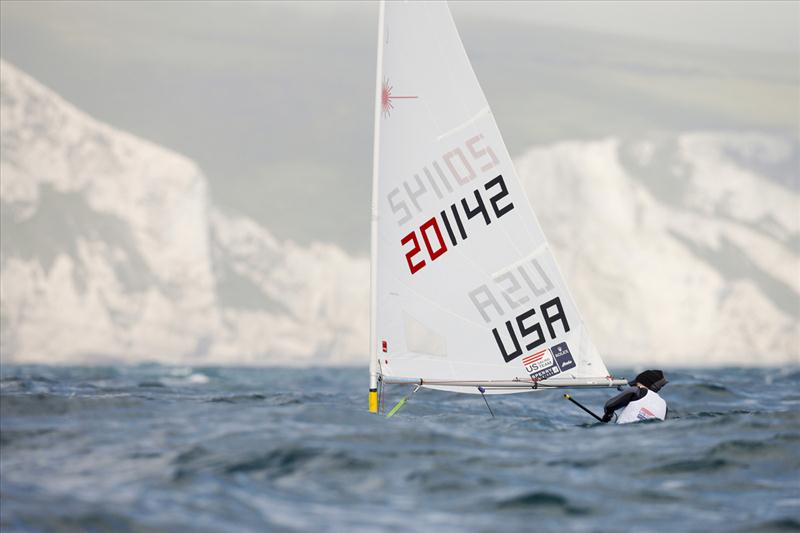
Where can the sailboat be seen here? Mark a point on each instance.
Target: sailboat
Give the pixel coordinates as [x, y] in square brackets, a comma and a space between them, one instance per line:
[466, 295]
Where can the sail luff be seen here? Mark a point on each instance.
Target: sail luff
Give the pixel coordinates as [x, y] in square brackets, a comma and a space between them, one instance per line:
[373, 347]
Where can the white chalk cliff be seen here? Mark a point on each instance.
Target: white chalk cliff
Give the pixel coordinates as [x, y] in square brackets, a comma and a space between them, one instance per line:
[681, 249]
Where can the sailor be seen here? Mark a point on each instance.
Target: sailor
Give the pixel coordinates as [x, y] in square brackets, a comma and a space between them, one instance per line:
[640, 401]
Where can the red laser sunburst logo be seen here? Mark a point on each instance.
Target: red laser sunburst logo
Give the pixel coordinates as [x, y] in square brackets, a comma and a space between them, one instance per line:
[387, 97]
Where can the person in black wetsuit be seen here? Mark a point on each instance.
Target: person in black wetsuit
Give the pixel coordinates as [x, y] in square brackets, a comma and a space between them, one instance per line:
[640, 401]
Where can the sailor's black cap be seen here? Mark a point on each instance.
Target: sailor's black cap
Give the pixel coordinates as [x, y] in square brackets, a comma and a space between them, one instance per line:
[652, 379]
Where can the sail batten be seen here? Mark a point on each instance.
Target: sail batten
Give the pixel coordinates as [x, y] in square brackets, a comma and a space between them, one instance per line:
[464, 283]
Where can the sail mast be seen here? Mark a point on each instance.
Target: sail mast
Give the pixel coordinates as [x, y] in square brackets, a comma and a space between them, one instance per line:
[373, 344]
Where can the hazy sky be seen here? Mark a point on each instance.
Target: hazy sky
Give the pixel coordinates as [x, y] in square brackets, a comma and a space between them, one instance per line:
[274, 100]
[751, 25]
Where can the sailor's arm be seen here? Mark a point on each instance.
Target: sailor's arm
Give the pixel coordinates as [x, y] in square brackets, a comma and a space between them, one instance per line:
[620, 400]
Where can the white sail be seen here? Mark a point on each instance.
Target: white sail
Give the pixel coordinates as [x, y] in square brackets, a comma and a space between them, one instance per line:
[466, 290]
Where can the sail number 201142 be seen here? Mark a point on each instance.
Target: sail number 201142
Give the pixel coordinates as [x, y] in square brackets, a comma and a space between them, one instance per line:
[456, 221]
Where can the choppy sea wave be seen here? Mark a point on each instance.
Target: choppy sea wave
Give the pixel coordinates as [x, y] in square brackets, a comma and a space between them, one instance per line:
[235, 449]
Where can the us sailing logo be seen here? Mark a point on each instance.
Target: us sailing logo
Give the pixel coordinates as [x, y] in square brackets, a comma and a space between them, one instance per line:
[540, 365]
[387, 97]
[531, 360]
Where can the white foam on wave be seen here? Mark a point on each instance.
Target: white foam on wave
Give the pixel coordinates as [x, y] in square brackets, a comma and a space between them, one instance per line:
[198, 379]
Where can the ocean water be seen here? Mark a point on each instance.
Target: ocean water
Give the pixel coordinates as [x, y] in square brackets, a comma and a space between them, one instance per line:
[154, 448]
